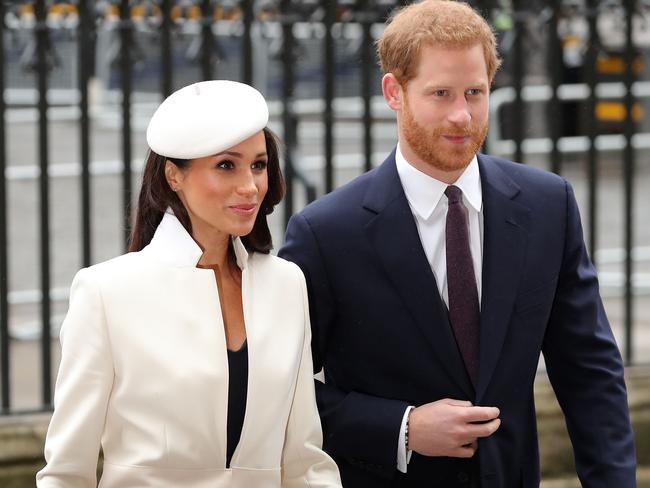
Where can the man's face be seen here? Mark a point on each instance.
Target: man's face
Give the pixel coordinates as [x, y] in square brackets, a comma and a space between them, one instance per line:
[444, 115]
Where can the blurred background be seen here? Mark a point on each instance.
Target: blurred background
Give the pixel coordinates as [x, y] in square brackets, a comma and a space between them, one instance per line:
[79, 81]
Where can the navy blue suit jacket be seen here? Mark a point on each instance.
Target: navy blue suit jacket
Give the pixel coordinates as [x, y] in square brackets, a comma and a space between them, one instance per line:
[381, 332]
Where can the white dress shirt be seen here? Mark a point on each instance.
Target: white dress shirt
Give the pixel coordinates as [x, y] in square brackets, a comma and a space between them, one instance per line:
[425, 197]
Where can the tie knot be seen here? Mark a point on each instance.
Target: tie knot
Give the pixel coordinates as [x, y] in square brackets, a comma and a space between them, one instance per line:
[454, 194]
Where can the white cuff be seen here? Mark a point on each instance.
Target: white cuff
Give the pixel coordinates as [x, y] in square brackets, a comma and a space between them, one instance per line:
[403, 454]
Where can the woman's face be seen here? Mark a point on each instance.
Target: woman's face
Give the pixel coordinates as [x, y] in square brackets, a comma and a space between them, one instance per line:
[223, 193]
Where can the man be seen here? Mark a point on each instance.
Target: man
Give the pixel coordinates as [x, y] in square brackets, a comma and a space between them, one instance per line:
[436, 280]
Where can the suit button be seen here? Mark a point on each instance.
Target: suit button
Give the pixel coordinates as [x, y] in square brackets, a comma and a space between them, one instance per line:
[462, 477]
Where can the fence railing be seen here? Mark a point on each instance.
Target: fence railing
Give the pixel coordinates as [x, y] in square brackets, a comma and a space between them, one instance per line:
[54, 55]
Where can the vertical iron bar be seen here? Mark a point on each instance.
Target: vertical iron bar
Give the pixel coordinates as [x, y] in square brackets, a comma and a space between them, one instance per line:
[126, 33]
[628, 165]
[287, 102]
[553, 107]
[329, 68]
[42, 42]
[207, 39]
[84, 45]
[518, 116]
[592, 155]
[4, 290]
[483, 7]
[247, 42]
[490, 5]
[367, 65]
[166, 54]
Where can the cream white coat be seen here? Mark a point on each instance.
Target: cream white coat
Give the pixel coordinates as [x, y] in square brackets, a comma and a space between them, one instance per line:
[144, 375]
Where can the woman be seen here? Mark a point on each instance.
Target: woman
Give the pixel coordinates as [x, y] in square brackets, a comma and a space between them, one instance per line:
[165, 348]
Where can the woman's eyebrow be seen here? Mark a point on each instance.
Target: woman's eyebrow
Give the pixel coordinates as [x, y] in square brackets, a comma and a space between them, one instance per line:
[230, 153]
[239, 155]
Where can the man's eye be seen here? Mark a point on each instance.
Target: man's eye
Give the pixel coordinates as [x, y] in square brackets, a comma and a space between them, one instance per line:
[440, 93]
[474, 91]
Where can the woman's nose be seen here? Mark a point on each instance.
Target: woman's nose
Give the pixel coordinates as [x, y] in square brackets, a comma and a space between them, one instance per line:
[247, 185]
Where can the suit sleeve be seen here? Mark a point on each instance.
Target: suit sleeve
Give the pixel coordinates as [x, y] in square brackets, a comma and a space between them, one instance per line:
[304, 463]
[83, 386]
[586, 370]
[360, 428]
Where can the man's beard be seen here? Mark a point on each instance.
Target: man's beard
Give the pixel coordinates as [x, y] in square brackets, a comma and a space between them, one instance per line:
[427, 144]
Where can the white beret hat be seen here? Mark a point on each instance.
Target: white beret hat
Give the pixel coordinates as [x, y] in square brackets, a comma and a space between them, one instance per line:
[206, 118]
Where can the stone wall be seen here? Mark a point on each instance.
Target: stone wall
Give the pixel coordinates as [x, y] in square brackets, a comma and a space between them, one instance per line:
[21, 438]
[21, 449]
[556, 455]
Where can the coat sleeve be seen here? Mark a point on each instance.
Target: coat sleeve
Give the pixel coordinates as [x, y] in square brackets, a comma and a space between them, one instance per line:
[359, 428]
[586, 370]
[304, 463]
[83, 386]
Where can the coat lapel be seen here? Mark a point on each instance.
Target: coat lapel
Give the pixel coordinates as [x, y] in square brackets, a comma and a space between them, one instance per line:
[504, 246]
[393, 233]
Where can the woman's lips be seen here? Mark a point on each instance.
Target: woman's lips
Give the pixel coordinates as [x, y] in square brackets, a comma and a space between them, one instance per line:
[244, 209]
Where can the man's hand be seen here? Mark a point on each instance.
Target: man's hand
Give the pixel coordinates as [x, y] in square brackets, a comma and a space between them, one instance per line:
[450, 427]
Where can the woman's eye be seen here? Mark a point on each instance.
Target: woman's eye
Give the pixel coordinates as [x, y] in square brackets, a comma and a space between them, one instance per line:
[259, 165]
[226, 164]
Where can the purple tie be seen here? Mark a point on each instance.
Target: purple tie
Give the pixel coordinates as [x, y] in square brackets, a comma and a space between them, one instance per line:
[461, 283]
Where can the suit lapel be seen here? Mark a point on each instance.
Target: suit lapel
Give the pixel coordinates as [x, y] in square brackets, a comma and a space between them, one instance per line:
[504, 246]
[393, 234]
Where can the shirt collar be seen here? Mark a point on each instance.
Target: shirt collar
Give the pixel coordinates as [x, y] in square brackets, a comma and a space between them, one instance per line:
[173, 245]
[470, 184]
[424, 192]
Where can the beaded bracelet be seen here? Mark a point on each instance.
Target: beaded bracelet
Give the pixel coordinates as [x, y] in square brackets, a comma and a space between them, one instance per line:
[406, 430]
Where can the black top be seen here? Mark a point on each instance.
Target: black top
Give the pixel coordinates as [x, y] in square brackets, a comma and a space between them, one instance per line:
[237, 389]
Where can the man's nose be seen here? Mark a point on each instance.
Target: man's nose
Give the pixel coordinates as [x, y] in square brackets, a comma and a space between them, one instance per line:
[460, 114]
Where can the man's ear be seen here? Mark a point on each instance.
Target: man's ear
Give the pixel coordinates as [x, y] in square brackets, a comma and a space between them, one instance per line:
[173, 175]
[392, 90]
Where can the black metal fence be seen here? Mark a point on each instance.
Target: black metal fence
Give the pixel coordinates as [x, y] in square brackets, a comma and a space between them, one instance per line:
[312, 50]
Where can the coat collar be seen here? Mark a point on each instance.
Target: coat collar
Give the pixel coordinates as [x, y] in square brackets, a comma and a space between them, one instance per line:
[173, 245]
[505, 238]
[393, 233]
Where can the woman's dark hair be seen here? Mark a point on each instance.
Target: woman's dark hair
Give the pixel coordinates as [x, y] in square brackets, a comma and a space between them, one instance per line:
[156, 196]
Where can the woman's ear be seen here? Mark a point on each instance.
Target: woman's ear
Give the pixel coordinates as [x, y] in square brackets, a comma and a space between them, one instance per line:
[173, 175]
